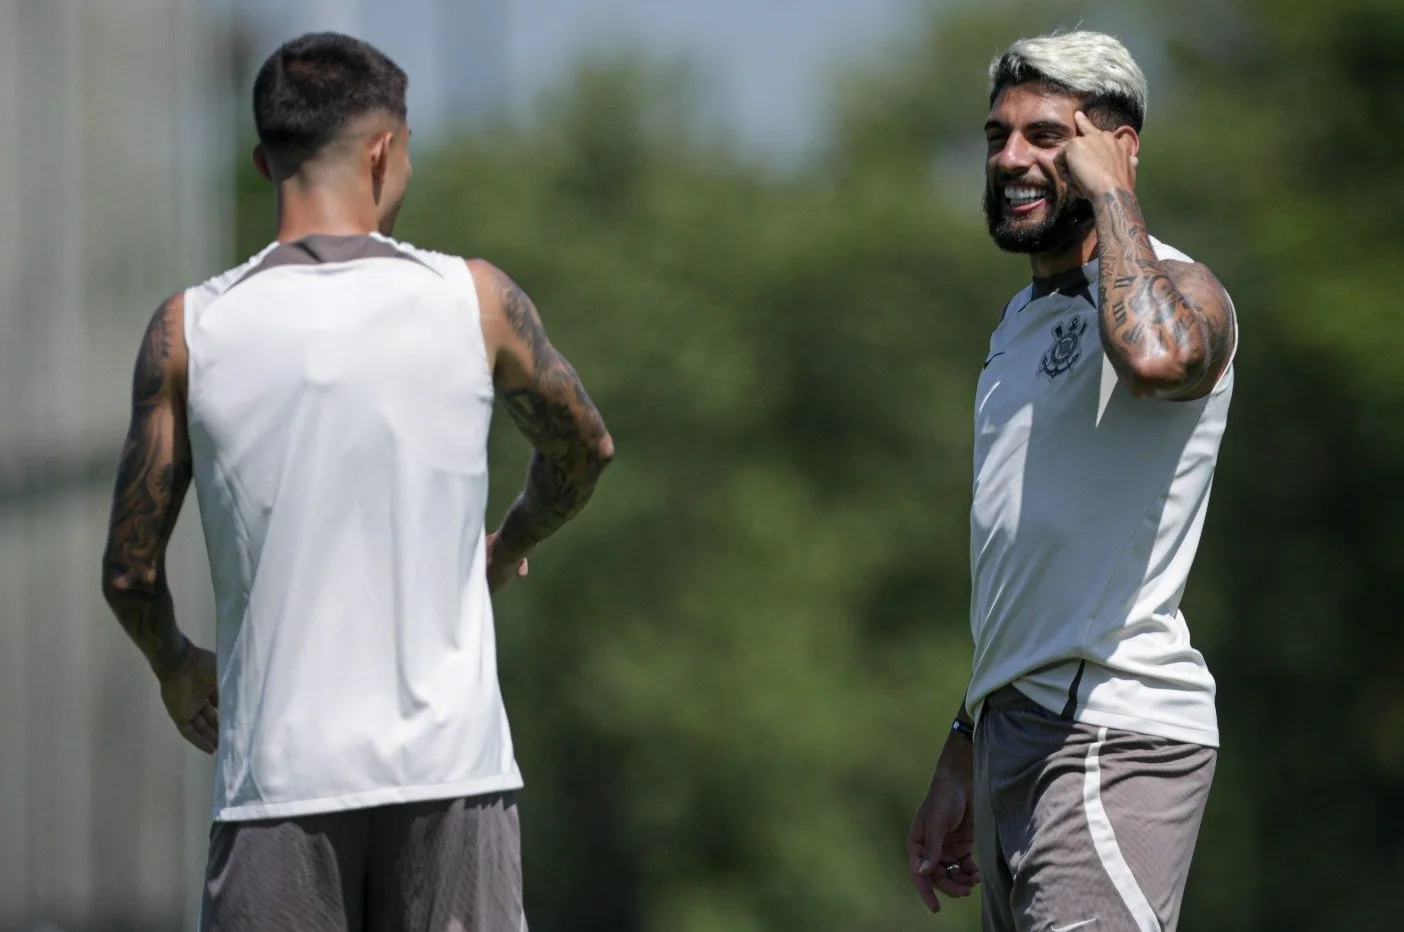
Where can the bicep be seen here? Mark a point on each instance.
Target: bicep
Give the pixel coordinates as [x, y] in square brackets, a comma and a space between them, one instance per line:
[515, 336]
[155, 466]
[538, 387]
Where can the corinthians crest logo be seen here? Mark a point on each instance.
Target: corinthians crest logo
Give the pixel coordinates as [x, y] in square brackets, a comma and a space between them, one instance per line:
[1066, 349]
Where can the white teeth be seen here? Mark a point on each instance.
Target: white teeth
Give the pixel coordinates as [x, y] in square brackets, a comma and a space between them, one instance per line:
[1022, 195]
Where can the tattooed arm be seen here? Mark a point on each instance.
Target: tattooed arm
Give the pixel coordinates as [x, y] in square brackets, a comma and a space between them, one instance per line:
[152, 479]
[545, 399]
[1167, 326]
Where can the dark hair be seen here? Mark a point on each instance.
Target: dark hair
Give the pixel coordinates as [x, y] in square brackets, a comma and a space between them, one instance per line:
[313, 86]
[1109, 112]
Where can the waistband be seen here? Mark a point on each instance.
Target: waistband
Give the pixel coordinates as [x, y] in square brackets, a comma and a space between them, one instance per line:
[1009, 697]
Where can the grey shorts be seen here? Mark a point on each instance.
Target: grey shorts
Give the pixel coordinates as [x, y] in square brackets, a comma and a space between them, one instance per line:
[1079, 827]
[417, 867]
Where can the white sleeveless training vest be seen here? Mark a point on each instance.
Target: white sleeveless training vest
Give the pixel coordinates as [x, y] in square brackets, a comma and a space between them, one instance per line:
[339, 403]
[1086, 514]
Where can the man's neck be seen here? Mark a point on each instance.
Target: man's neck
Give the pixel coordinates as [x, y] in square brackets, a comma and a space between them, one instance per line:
[307, 210]
[1051, 264]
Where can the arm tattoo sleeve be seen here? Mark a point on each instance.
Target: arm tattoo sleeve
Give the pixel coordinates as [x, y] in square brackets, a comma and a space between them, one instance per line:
[1150, 323]
[152, 478]
[556, 415]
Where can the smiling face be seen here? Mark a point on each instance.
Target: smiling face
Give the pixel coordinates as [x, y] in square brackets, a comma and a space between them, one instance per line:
[1028, 206]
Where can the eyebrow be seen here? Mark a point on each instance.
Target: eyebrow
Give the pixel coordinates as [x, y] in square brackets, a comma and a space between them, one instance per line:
[1036, 126]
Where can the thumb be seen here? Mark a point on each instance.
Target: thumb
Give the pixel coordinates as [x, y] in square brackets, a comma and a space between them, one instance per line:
[935, 838]
[943, 818]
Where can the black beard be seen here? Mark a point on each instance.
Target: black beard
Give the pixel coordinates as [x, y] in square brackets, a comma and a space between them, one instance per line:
[1065, 219]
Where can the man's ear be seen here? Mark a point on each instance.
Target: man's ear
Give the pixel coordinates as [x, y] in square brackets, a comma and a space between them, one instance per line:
[1130, 140]
[379, 154]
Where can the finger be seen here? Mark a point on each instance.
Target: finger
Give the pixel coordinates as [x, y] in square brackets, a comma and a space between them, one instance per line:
[189, 734]
[926, 891]
[970, 881]
[210, 715]
[950, 882]
[958, 862]
[1085, 127]
[919, 867]
[955, 873]
[930, 855]
[916, 841]
[970, 869]
[203, 729]
[963, 876]
[1057, 167]
[929, 870]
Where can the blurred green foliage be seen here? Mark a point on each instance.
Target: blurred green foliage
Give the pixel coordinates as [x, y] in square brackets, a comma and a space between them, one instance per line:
[730, 677]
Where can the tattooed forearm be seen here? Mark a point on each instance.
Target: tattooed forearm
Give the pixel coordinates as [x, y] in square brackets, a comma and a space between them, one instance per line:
[564, 469]
[149, 619]
[549, 500]
[554, 412]
[152, 478]
[1157, 336]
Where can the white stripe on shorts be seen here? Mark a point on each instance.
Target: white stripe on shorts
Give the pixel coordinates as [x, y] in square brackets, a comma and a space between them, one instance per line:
[1104, 840]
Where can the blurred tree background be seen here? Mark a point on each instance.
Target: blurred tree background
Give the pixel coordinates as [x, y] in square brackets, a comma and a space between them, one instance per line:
[730, 678]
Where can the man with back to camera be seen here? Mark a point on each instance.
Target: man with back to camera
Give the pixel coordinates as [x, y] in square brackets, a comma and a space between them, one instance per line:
[331, 399]
[1080, 771]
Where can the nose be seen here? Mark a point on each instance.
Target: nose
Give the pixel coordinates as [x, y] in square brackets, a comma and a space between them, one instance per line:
[1015, 157]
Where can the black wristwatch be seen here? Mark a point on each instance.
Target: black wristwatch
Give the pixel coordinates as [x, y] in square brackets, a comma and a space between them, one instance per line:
[961, 728]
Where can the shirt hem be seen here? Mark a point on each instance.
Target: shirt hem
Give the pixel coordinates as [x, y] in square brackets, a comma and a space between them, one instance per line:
[1102, 718]
[1206, 737]
[385, 796]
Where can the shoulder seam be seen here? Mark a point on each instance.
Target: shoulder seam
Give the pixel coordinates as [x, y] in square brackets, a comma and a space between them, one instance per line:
[410, 252]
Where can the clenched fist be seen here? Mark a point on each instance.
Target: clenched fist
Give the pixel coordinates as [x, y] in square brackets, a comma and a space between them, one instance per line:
[1096, 161]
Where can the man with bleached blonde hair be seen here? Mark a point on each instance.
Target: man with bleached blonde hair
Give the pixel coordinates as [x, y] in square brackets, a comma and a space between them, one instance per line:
[1077, 770]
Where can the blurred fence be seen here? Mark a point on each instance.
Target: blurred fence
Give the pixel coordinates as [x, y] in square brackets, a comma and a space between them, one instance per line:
[112, 141]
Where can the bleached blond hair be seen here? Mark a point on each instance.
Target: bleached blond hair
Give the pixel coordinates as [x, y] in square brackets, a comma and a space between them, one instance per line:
[1091, 65]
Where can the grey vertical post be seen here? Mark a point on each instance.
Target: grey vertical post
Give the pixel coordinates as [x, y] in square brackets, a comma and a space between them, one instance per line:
[112, 203]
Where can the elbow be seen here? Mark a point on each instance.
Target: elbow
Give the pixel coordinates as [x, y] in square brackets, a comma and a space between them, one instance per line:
[115, 589]
[599, 455]
[1166, 375]
[604, 450]
[122, 582]
[581, 464]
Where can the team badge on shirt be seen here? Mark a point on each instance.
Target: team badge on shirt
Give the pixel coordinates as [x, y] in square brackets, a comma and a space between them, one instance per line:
[1066, 349]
